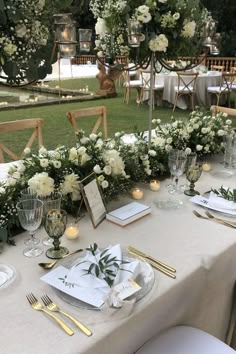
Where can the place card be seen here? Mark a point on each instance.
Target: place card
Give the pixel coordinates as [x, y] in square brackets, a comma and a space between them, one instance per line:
[197, 199]
[127, 288]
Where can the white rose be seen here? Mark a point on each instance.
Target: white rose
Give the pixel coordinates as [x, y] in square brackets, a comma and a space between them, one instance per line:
[100, 27]
[225, 115]
[2, 190]
[27, 151]
[43, 151]
[44, 163]
[220, 132]
[81, 150]
[228, 122]
[56, 163]
[204, 130]
[93, 137]
[107, 170]
[84, 140]
[188, 151]
[73, 155]
[104, 184]
[101, 178]
[176, 16]
[152, 153]
[199, 147]
[97, 169]
[169, 140]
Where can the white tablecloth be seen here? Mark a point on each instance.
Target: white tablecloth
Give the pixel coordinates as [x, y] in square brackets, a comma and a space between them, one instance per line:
[202, 251]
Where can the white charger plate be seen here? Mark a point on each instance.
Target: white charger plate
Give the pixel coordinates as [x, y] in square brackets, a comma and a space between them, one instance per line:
[145, 279]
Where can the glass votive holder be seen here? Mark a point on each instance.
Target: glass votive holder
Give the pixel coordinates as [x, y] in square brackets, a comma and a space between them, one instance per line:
[72, 231]
[137, 193]
[154, 185]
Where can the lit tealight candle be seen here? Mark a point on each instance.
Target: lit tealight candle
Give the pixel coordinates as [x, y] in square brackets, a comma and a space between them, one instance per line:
[206, 167]
[137, 193]
[72, 231]
[155, 185]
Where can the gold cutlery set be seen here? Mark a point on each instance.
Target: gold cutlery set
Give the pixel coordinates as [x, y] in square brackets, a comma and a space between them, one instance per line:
[157, 264]
[49, 307]
[211, 217]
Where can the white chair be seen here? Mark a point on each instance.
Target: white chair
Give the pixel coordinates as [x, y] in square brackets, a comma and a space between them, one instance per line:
[185, 340]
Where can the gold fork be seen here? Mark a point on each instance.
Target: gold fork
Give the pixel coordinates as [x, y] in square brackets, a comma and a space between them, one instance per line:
[55, 308]
[39, 307]
[211, 219]
[210, 216]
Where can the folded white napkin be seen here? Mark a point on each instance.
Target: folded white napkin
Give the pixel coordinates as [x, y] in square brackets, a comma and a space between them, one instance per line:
[79, 276]
[219, 202]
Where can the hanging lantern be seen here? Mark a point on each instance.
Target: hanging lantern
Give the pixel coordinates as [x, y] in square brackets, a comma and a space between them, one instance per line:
[65, 35]
[85, 40]
[134, 33]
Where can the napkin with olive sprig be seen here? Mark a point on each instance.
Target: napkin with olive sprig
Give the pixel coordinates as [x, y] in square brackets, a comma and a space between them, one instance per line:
[224, 198]
[104, 270]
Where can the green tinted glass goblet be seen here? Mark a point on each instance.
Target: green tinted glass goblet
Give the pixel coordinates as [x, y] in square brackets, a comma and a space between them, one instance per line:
[55, 225]
[193, 174]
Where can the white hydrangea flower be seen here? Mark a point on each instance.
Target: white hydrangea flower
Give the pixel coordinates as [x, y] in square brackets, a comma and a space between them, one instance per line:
[42, 184]
[152, 153]
[188, 29]
[159, 43]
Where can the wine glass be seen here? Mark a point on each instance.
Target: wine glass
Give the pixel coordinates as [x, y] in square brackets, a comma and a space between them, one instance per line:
[52, 201]
[193, 174]
[55, 225]
[177, 165]
[172, 154]
[30, 213]
[27, 194]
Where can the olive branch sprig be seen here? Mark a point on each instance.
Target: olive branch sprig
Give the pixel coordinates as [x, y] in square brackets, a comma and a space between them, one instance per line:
[102, 266]
[226, 193]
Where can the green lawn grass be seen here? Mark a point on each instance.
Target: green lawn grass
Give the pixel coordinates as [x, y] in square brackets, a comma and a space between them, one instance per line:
[57, 129]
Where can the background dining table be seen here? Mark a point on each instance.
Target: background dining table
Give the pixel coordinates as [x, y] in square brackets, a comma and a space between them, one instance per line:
[170, 79]
[202, 251]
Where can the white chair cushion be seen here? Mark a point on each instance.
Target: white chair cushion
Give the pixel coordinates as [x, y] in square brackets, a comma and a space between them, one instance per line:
[234, 87]
[216, 89]
[183, 89]
[185, 340]
[135, 83]
[158, 87]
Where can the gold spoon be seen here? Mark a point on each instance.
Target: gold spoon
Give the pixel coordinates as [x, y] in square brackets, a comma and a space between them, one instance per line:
[49, 265]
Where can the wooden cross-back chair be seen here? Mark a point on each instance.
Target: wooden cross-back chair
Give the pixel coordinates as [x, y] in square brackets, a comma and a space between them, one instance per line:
[229, 111]
[146, 86]
[186, 86]
[35, 124]
[132, 84]
[224, 89]
[101, 112]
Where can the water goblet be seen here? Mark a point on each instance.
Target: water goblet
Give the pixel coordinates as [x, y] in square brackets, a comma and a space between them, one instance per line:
[27, 194]
[30, 213]
[190, 159]
[177, 165]
[193, 174]
[52, 201]
[55, 225]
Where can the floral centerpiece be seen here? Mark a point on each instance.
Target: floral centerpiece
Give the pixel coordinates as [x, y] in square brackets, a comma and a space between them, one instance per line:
[170, 28]
[118, 165]
[202, 133]
[26, 38]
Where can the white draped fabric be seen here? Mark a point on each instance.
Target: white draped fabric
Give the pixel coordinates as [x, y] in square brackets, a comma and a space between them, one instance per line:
[202, 251]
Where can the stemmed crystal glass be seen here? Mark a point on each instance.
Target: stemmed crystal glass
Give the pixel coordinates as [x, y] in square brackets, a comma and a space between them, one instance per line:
[190, 159]
[193, 174]
[177, 164]
[172, 155]
[29, 194]
[30, 213]
[55, 225]
[52, 201]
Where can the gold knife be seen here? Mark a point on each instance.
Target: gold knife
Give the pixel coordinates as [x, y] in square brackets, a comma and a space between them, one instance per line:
[154, 265]
[146, 256]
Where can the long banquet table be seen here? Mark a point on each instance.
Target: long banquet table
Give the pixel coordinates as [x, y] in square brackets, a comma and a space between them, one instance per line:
[203, 252]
